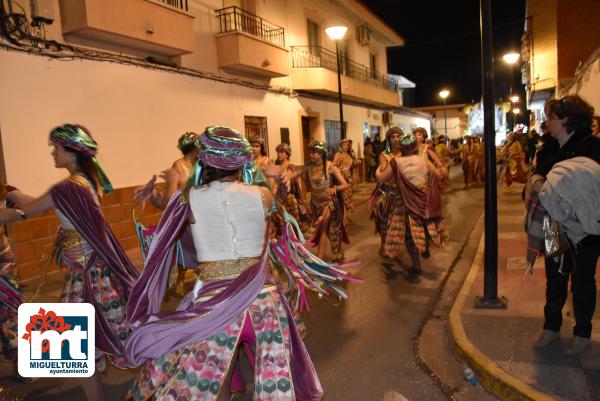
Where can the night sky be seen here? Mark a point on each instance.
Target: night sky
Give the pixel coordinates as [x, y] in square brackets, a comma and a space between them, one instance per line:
[442, 46]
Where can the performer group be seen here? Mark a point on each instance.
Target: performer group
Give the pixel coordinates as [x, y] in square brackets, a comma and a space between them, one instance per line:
[258, 235]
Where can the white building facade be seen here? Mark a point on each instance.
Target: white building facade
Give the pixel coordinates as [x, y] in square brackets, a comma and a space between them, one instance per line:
[139, 73]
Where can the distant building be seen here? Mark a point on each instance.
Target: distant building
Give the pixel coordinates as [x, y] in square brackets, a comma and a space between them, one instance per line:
[560, 51]
[456, 120]
[139, 73]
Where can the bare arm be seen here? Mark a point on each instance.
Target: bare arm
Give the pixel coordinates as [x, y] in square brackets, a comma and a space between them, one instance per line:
[343, 184]
[176, 177]
[37, 206]
[434, 170]
[384, 171]
[19, 198]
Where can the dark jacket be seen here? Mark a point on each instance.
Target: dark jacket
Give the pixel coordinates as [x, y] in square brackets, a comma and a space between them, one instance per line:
[550, 154]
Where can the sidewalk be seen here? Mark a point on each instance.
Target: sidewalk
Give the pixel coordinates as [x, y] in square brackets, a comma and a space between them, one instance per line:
[498, 343]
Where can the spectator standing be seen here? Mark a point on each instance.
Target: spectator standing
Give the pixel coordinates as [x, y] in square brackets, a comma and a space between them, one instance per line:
[569, 122]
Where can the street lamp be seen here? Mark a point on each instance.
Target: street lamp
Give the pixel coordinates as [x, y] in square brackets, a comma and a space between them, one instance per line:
[511, 59]
[336, 33]
[514, 99]
[444, 94]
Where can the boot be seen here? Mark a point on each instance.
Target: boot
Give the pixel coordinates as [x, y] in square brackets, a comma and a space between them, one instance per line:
[416, 261]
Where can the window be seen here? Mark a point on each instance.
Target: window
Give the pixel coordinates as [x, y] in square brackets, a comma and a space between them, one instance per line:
[314, 40]
[285, 135]
[257, 127]
[373, 65]
[375, 131]
[333, 135]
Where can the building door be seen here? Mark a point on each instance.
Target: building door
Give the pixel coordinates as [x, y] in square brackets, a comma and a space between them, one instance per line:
[256, 126]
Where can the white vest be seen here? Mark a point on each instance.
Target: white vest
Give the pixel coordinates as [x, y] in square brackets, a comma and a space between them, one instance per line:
[414, 169]
[229, 221]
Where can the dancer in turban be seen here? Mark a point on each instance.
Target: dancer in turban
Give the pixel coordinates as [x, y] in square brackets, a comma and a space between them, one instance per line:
[98, 270]
[188, 352]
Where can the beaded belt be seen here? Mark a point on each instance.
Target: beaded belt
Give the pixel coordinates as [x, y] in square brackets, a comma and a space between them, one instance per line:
[70, 238]
[220, 269]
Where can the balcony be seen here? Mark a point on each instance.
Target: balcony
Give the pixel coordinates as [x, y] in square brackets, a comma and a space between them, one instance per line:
[314, 69]
[250, 45]
[160, 27]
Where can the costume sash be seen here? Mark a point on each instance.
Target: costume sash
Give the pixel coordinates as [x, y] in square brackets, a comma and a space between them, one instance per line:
[74, 199]
[425, 204]
[157, 333]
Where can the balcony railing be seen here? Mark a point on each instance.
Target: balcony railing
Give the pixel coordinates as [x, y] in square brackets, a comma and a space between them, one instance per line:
[177, 4]
[317, 56]
[235, 19]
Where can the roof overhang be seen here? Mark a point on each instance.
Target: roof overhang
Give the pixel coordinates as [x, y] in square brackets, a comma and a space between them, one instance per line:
[372, 21]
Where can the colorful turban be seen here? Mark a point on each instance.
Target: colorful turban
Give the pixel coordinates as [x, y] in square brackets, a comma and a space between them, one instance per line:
[226, 149]
[79, 139]
[320, 147]
[284, 147]
[408, 144]
[388, 135]
[75, 137]
[188, 139]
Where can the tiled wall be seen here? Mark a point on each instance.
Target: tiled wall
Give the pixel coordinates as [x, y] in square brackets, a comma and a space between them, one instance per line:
[33, 239]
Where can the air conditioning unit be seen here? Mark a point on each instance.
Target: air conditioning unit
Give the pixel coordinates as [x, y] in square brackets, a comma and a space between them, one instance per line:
[363, 34]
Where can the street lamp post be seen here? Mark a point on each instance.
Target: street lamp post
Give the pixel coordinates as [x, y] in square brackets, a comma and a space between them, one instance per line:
[511, 59]
[444, 94]
[336, 33]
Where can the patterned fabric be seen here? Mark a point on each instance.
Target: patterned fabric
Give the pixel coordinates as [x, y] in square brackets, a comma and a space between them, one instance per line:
[197, 372]
[384, 200]
[407, 228]
[328, 217]
[327, 210]
[345, 162]
[8, 315]
[75, 253]
[534, 218]
[515, 171]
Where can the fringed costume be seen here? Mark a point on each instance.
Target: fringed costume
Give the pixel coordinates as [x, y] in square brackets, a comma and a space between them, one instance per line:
[345, 162]
[417, 219]
[10, 294]
[515, 170]
[98, 270]
[235, 304]
[327, 210]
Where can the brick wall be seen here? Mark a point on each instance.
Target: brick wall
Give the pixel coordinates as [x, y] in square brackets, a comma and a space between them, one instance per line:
[33, 239]
[544, 41]
[578, 34]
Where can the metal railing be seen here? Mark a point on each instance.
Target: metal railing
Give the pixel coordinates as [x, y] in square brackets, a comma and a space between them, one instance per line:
[235, 19]
[317, 56]
[178, 4]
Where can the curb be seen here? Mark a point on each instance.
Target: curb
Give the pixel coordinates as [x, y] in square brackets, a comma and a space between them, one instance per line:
[491, 376]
